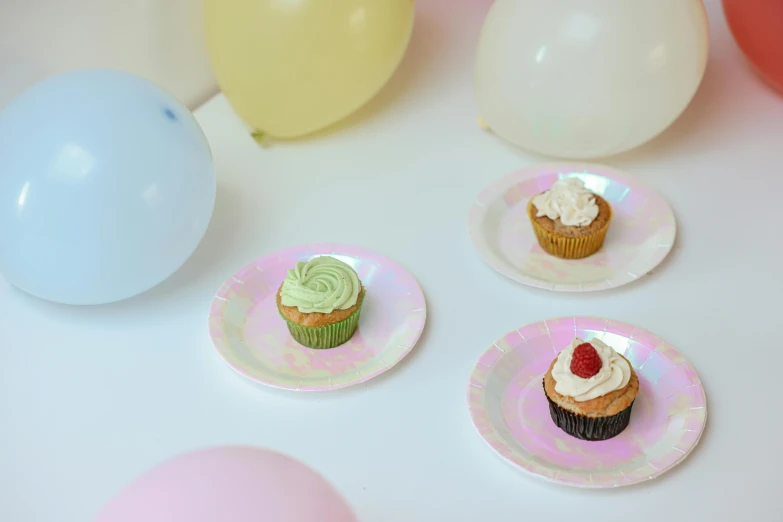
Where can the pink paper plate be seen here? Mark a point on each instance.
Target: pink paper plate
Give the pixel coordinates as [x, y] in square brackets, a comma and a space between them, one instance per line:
[253, 339]
[640, 236]
[510, 411]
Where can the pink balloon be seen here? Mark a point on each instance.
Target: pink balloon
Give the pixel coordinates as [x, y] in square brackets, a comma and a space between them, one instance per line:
[229, 484]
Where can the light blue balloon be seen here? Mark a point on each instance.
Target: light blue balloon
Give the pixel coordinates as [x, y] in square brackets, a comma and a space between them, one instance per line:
[106, 187]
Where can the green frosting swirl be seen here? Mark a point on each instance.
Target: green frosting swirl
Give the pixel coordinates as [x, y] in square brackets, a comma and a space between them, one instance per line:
[323, 284]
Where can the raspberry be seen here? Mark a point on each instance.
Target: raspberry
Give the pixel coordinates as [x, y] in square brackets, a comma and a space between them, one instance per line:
[585, 361]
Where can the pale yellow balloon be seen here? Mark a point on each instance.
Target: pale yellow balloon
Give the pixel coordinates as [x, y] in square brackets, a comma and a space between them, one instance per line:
[292, 67]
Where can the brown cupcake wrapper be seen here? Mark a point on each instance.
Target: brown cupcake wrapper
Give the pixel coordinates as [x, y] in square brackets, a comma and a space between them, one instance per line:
[328, 336]
[567, 247]
[589, 428]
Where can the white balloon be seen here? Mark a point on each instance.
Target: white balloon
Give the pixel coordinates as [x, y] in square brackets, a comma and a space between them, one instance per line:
[588, 78]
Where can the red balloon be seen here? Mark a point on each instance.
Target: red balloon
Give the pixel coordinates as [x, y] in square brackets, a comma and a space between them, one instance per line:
[757, 26]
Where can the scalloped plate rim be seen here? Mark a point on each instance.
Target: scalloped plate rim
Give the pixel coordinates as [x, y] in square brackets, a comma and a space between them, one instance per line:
[314, 247]
[478, 210]
[573, 483]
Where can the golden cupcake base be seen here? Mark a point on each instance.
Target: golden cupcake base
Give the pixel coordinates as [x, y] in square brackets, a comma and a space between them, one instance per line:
[566, 247]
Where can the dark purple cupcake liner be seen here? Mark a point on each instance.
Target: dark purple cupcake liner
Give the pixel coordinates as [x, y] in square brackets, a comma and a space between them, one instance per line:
[589, 428]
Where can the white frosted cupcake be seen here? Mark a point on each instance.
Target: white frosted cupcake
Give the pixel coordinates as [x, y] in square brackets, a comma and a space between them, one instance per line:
[569, 220]
[591, 389]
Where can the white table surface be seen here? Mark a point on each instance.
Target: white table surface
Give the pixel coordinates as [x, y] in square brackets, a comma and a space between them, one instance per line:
[92, 397]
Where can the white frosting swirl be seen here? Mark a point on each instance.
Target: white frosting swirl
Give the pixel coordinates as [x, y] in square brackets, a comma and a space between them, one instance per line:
[614, 374]
[569, 200]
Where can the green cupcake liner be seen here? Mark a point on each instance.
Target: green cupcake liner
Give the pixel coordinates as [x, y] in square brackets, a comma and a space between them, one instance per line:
[330, 336]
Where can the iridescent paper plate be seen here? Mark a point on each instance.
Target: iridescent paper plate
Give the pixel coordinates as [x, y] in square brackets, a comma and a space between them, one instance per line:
[253, 339]
[640, 236]
[510, 411]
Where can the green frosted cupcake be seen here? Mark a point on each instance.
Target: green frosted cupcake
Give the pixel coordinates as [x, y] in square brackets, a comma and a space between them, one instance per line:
[321, 300]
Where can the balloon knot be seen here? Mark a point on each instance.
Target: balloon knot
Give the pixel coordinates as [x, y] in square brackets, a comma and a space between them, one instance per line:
[261, 137]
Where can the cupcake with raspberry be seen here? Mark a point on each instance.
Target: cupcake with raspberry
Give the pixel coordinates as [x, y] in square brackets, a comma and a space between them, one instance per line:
[569, 220]
[320, 301]
[591, 389]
